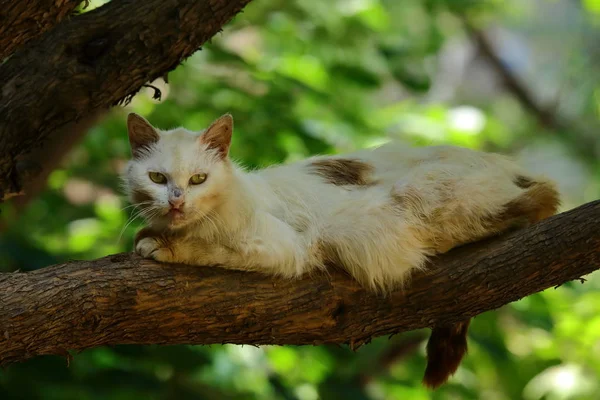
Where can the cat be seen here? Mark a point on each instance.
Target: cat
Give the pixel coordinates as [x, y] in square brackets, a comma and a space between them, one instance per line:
[379, 213]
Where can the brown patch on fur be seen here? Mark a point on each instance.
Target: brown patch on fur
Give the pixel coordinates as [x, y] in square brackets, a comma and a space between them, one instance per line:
[539, 201]
[140, 196]
[446, 348]
[343, 171]
[523, 182]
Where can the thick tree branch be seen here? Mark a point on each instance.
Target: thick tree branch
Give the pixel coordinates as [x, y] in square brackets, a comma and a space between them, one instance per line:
[122, 299]
[22, 21]
[91, 61]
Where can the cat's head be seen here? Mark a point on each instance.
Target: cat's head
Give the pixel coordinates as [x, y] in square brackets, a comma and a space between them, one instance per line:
[177, 176]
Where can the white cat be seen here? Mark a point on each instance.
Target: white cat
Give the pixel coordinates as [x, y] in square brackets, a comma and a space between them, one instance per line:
[377, 213]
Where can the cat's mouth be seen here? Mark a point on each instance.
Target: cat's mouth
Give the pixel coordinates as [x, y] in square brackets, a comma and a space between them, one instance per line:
[176, 215]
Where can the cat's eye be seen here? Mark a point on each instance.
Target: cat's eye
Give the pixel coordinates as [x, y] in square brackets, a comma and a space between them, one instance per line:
[198, 179]
[157, 177]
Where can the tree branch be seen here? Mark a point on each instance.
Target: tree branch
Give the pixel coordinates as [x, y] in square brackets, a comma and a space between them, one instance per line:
[577, 136]
[122, 299]
[22, 21]
[91, 61]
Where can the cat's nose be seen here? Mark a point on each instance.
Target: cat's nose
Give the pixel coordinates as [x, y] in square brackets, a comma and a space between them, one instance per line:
[176, 198]
[176, 202]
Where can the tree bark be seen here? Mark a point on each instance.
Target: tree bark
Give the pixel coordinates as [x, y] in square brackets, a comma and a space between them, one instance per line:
[91, 61]
[22, 21]
[123, 299]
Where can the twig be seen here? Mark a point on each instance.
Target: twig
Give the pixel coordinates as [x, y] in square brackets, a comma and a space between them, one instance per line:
[578, 137]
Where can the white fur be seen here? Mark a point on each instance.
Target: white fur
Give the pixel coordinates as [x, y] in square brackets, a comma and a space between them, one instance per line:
[287, 221]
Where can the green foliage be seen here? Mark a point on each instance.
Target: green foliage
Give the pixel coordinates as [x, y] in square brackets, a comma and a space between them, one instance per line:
[307, 77]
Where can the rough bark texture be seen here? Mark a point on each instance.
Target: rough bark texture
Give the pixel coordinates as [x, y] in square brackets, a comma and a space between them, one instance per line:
[122, 299]
[94, 60]
[22, 21]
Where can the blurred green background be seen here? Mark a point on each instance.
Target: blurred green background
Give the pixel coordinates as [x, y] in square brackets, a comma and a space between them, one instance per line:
[311, 76]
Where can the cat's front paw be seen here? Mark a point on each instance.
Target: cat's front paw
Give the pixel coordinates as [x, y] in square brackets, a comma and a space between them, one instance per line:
[154, 248]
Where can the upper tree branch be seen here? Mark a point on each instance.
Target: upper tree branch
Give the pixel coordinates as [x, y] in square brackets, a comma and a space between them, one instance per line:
[123, 299]
[94, 60]
[579, 137]
[22, 21]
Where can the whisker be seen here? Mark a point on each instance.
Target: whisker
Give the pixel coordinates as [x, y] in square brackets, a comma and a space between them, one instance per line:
[137, 205]
[144, 212]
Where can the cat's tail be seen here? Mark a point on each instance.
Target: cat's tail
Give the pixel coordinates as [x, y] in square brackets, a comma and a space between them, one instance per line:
[448, 343]
[446, 348]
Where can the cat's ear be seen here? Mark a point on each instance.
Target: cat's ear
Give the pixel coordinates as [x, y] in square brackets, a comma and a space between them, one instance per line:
[218, 135]
[141, 133]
